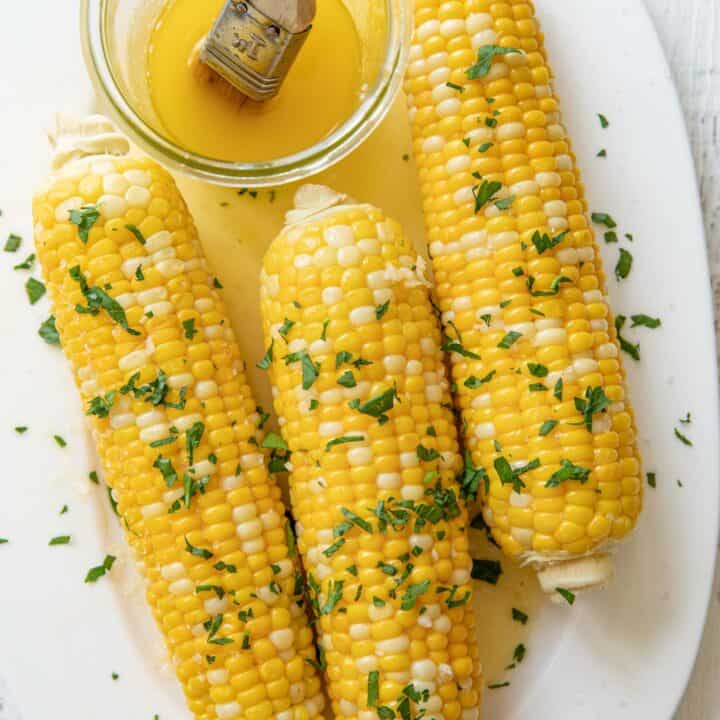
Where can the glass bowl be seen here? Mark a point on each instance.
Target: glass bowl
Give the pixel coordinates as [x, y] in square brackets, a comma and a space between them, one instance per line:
[115, 34]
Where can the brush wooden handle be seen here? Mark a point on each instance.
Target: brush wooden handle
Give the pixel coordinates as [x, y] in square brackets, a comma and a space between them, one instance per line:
[293, 15]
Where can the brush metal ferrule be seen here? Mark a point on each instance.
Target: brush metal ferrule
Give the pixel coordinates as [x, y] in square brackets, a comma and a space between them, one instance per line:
[250, 50]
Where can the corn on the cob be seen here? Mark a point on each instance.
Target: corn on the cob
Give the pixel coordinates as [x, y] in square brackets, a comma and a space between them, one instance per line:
[144, 327]
[363, 403]
[521, 289]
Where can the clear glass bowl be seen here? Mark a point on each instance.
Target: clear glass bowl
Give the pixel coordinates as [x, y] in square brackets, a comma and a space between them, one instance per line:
[115, 34]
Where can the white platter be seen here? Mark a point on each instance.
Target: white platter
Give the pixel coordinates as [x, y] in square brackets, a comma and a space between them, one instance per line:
[625, 653]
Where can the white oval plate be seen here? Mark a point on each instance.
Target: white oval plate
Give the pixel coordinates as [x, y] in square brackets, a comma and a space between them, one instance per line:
[623, 653]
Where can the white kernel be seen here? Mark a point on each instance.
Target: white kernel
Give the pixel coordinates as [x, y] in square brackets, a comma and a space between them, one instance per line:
[215, 605]
[461, 197]
[552, 336]
[331, 429]
[394, 364]
[121, 420]
[181, 380]
[389, 481]
[423, 541]
[90, 387]
[525, 187]
[434, 393]
[339, 236]
[376, 613]
[558, 224]
[442, 92]
[147, 297]
[333, 396]
[154, 433]
[332, 295]
[442, 625]
[160, 309]
[449, 107]
[173, 571]
[433, 144]
[523, 535]
[510, 131]
[555, 207]
[349, 256]
[360, 631]
[548, 179]
[599, 325]
[367, 663]
[563, 162]
[302, 260]
[484, 431]
[115, 184]
[362, 315]
[282, 639]
[519, 500]
[359, 456]
[227, 711]
[202, 468]
[253, 546]
[452, 28]
[428, 346]
[608, 350]
[137, 196]
[555, 133]
[153, 510]
[171, 268]
[111, 206]
[409, 459]
[181, 587]
[217, 677]
[412, 492]
[393, 646]
[482, 38]
[150, 418]
[439, 76]
[369, 246]
[585, 366]
[593, 296]
[347, 708]
[244, 513]
[475, 22]
[433, 704]
[133, 360]
[427, 30]
[586, 254]
[249, 530]
[205, 389]
[567, 256]
[414, 367]
[139, 177]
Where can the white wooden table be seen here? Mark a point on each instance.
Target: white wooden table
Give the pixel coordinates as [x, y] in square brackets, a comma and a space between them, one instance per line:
[690, 33]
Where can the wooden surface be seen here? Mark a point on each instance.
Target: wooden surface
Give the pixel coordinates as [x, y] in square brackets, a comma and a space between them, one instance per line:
[690, 33]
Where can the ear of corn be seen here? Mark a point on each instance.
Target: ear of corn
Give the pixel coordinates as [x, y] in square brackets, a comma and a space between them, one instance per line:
[520, 284]
[363, 403]
[157, 365]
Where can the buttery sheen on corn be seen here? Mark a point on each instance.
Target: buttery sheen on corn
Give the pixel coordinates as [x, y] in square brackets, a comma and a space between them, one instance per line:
[520, 283]
[363, 403]
[206, 522]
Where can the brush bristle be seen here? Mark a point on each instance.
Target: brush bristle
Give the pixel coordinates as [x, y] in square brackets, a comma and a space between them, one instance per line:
[206, 75]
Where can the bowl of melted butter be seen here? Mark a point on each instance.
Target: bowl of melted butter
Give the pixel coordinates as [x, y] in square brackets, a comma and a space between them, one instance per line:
[338, 90]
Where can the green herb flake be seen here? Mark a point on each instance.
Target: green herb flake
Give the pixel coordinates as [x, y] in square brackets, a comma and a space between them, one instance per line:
[84, 218]
[60, 440]
[412, 593]
[60, 539]
[602, 153]
[488, 571]
[568, 471]
[485, 147]
[604, 122]
[505, 203]
[380, 310]
[135, 230]
[453, 86]
[624, 264]
[485, 56]
[682, 438]
[48, 331]
[347, 379]
[274, 441]
[625, 345]
[602, 218]
[265, 363]
[485, 193]
[645, 321]
[547, 427]
[651, 479]
[26, 264]
[509, 340]
[189, 328]
[373, 688]
[473, 383]
[568, 596]
[197, 551]
[21, 429]
[519, 616]
[34, 289]
[95, 573]
[343, 440]
[13, 242]
[543, 241]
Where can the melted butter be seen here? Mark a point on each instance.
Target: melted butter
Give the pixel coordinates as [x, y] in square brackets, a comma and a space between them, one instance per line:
[319, 94]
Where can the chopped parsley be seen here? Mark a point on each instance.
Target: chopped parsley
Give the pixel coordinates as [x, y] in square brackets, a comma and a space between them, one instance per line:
[604, 122]
[625, 345]
[342, 440]
[485, 147]
[347, 379]
[60, 440]
[378, 406]
[26, 264]
[95, 573]
[48, 331]
[84, 218]
[189, 327]
[60, 539]
[12, 243]
[547, 427]
[100, 405]
[197, 551]
[505, 203]
[610, 237]
[265, 363]
[684, 440]
[380, 310]
[509, 340]
[537, 370]
[135, 230]
[519, 616]
[34, 289]
[508, 476]
[21, 429]
[566, 594]
[98, 299]
[645, 321]
[456, 346]
[543, 242]
[595, 401]
[471, 478]
[651, 479]
[602, 153]
[485, 193]
[624, 264]
[373, 688]
[602, 218]
[568, 471]
[488, 571]
[485, 56]
[473, 383]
